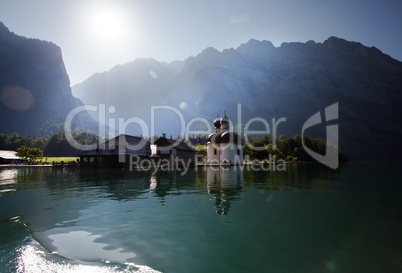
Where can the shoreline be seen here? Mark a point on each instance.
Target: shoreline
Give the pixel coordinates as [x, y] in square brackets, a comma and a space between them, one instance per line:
[23, 166]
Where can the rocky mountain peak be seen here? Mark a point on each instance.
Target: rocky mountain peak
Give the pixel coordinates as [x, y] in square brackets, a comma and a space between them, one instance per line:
[256, 50]
[3, 28]
[32, 75]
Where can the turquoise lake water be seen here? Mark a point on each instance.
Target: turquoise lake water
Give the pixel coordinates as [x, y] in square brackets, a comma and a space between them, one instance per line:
[306, 219]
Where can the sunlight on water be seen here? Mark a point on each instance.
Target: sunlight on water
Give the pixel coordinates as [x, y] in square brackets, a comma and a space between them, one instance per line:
[7, 178]
[81, 244]
[33, 260]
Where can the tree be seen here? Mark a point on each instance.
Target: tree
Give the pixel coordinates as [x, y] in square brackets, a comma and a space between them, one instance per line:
[256, 150]
[35, 153]
[32, 154]
[23, 152]
[288, 148]
[201, 149]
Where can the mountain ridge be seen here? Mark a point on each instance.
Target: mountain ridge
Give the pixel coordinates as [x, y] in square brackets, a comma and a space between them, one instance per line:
[294, 80]
[34, 85]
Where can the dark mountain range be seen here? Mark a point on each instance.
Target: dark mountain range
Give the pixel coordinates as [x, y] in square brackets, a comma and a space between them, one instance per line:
[35, 88]
[295, 81]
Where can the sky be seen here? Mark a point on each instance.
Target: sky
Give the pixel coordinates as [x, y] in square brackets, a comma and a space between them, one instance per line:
[96, 35]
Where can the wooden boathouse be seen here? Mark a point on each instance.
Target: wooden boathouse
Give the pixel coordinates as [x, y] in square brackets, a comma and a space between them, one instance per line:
[164, 148]
[116, 152]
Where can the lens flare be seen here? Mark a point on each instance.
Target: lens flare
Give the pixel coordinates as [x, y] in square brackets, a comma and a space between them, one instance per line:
[331, 266]
[183, 106]
[153, 74]
[17, 98]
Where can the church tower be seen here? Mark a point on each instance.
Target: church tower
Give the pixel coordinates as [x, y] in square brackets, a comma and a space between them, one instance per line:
[224, 147]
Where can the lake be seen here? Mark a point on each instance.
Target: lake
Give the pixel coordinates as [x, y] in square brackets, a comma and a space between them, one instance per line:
[307, 218]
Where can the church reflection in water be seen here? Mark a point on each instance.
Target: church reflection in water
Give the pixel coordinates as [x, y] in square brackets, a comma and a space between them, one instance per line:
[224, 184]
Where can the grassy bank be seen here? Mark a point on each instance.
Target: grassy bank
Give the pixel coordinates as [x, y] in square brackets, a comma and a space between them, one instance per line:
[59, 159]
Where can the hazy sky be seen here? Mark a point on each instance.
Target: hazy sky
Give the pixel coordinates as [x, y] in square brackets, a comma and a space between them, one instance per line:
[95, 35]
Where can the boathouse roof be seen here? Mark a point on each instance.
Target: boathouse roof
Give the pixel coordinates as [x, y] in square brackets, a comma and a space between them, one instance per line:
[179, 145]
[5, 154]
[122, 144]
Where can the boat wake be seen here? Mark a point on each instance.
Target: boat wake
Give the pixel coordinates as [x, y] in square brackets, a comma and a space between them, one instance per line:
[23, 254]
[33, 259]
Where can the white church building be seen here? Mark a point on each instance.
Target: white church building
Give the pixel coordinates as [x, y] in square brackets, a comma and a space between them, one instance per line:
[224, 147]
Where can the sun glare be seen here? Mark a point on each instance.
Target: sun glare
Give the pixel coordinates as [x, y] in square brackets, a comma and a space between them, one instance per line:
[107, 25]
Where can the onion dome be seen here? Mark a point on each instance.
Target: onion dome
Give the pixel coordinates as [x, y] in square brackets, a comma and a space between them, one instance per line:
[224, 120]
[217, 123]
[214, 138]
[230, 137]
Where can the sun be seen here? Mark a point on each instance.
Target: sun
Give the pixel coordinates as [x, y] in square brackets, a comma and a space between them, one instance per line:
[107, 25]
